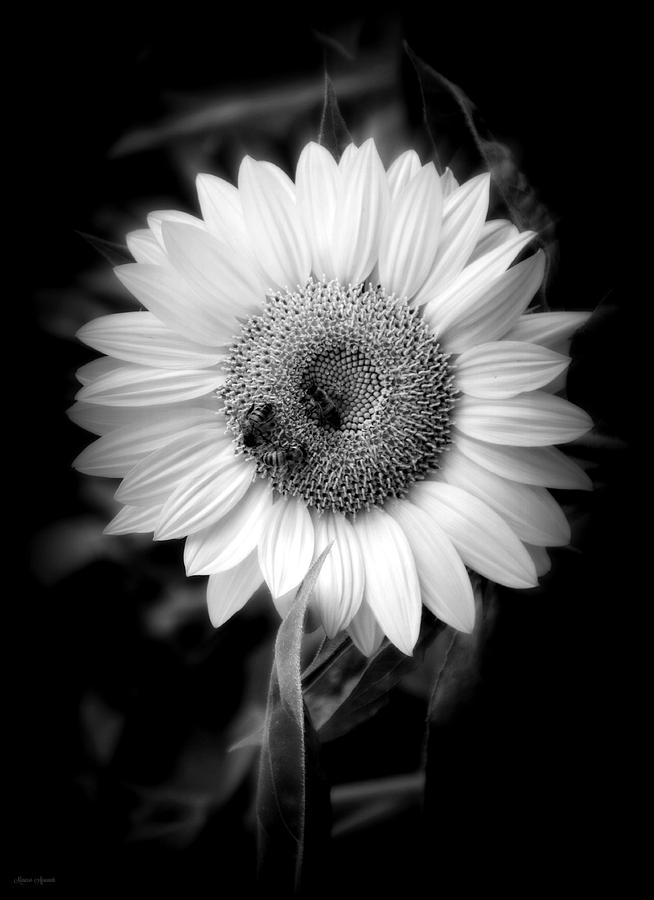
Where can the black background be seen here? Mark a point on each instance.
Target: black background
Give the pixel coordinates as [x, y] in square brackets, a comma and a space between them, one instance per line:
[527, 791]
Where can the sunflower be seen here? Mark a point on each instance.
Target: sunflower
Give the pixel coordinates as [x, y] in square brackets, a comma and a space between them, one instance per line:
[346, 359]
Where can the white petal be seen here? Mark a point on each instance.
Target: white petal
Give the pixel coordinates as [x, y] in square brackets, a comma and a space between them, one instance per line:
[214, 269]
[410, 236]
[154, 478]
[548, 329]
[493, 233]
[392, 587]
[274, 225]
[222, 211]
[159, 216]
[115, 454]
[476, 278]
[101, 419]
[482, 537]
[556, 385]
[225, 543]
[531, 512]
[134, 520]
[284, 602]
[543, 466]
[286, 545]
[501, 369]
[339, 588]
[228, 592]
[347, 157]
[92, 417]
[145, 248]
[534, 419]
[362, 205]
[486, 311]
[282, 179]
[132, 385]
[139, 337]
[202, 499]
[444, 582]
[401, 171]
[464, 212]
[172, 300]
[317, 179]
[448, 182]
[541, 559]
[365, 630]
[97, 368]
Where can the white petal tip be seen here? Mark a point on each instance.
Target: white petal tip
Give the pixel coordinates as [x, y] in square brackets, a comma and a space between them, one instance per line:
[585, 483]
[404, 643]
[82, 332]
[466, 624]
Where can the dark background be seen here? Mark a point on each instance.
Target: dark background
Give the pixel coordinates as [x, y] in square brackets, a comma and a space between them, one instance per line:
[523, 786]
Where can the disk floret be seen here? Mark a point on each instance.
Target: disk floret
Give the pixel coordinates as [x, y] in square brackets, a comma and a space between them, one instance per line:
[340, 395]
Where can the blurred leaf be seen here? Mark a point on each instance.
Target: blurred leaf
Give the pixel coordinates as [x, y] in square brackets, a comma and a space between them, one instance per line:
[420, 681]
[597, 440]
[288, 773]
[344, 39]
[330, 43]
[253, 739]
[458, 675]
[364, 804]
[206, 776]
[115, 254]
[447, 110]
[334, 134]
[179, 605]
[267, 109]
[62, 313]
[69, 545]
[350, 687]
[101, 727]
[459, 725]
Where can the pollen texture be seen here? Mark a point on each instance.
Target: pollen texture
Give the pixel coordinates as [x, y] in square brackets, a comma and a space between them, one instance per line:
[340, 394]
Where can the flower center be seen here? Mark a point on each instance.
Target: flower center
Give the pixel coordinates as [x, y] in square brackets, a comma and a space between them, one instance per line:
[341, 395]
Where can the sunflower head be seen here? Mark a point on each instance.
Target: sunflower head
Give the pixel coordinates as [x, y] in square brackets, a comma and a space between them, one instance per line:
[308, 352]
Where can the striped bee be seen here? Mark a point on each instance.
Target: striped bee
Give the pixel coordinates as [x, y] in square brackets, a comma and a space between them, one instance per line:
[280, 459]
[326, 408]
[257, 424]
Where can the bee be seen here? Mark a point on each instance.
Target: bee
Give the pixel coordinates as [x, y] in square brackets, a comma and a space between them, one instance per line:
[257, 424]
[326, 408]
[281, 459]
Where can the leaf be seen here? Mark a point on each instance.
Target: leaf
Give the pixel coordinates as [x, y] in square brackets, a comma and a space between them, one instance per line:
[334, 134]
[351, 687]
[289, 779]
[115, 254]
[330, 652]
[448, 111]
